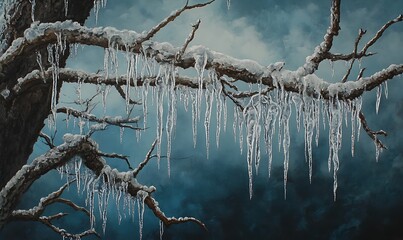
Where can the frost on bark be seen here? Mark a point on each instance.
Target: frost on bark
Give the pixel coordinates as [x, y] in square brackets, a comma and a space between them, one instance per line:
[32, 71]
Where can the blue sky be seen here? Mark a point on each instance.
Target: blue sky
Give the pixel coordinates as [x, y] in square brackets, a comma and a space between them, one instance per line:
[215, 190]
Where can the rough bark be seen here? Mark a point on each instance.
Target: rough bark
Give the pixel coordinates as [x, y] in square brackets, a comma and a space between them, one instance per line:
[22, 118]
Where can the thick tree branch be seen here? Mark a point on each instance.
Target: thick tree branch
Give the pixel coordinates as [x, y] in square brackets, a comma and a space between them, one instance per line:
[313, 61]
[245, 70]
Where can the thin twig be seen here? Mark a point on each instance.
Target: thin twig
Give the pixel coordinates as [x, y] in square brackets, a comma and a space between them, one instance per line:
[146, 159]
[357, 41]
[372, 134]
[47, 139]
[118, 156]
[153, 205]
[188, 40]
[123, 94]
[169, 19]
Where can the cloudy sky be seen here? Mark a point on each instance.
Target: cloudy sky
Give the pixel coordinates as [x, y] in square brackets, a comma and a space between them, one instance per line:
[215, 190]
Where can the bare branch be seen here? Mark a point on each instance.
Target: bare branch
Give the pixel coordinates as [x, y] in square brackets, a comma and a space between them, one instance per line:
[360, 34]
[361, 73]
[34, 214]
[123, 94]
[153, 205]
[169, 19]
[146, 159]
[47, 139]
[188, 40]
[72, 205]
[116, 121]
[378, 35]
[372, 134]
[115, 155]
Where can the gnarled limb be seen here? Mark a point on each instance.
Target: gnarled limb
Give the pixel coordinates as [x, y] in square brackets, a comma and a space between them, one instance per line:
[86, 149]
[35, 214]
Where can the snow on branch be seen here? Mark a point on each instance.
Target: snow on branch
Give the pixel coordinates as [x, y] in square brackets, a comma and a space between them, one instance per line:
[116, 121]
[244, 70]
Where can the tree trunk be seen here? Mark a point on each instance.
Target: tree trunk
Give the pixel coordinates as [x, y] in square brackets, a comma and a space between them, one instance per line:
[22, 117]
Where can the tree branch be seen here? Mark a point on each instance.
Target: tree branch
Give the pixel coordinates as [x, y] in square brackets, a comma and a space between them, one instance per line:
[188, 40]
[169, 19]
[372, 134]
[86, 149]
[34, 214]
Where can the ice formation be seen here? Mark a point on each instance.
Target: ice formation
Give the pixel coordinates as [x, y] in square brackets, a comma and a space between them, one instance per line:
[263, 119]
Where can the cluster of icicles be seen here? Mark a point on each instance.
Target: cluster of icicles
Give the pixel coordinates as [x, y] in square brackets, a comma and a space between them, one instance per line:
[263, 116]
[103, 189]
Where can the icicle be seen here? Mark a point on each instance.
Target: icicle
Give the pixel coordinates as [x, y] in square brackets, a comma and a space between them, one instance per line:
[378, 97]
[122, 129]
[240, 129]
[218, 116]
[309, 121]
[40, 64]
[66, 7]
[228, 4]
[286, 113]
[235, 122]
[332, 67]
[317, 108]
[33, 3]
[161, 229]
[160, 112]
[269, 128]
[106, 63]
[200, 65]
[298, 109]
[145, 101]
[219, 106]
[194, 117]
[141, 195]
[104, 92]
[53, 59]
[77, 170]
[378, 149]
[249, 116]
[358, 107]
[335, 136]
[225, 114]
[171, 117]
[207, 120]
[96, 10]
[386, 89]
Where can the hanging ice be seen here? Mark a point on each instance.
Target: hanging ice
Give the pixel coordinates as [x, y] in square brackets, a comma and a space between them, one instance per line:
[141, 195]
[207, 120]
[171, 116]
[33, 3]
[66, 7]
[378, 97]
